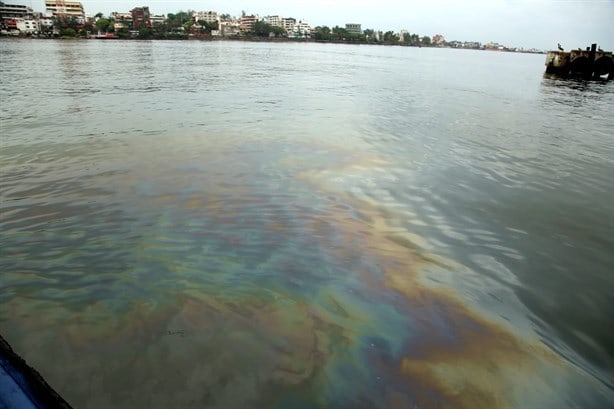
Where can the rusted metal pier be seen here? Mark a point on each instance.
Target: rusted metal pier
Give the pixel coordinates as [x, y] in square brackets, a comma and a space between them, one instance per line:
[591, 63]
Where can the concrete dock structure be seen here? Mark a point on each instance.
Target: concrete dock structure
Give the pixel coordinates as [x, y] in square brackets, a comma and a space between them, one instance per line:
[591, 63]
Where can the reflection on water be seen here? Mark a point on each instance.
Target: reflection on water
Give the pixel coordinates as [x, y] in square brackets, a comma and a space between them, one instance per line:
[259, 225]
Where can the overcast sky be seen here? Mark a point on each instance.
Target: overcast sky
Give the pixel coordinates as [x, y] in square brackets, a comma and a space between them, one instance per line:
[521, 23]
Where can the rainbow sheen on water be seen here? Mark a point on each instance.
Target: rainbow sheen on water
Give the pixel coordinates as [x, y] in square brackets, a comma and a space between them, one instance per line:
[276, 225]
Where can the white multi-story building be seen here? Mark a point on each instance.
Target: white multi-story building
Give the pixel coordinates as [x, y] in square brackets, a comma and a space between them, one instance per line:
[61, 8]
[13, 11]
[206, 16]
[275, 21]
[116, 15]
[157, 19]
[28, 25]
[46, 20]
[288, 25]
[229, 28]
[353, 28]
[303, 29]
[19, 17]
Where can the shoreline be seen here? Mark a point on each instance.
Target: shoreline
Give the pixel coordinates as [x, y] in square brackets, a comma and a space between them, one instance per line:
[269, 40]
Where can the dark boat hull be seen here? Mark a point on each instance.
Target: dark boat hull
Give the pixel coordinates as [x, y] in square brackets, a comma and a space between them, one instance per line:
[21, 386]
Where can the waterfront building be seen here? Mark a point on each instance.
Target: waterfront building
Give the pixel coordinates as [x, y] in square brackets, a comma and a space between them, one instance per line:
[229, 28]
[28, 25]
[471, 44]
[275, 21]
[18, 18]
[303, 29]
[289, 24]
[206, 16]
[246, 23]
[353, 28]
[157, 19]
[61, 8]
[125, 17]
[492, 46]
[140, 18]
[15, 11]
[46, 20]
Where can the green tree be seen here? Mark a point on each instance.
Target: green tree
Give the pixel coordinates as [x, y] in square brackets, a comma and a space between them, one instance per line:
[102, 25]
[207, 27]
[390, 37]
[322, 33]
[426, 40]
[203, 26]
[123, 32]
[88, 26]
[339, 33]
[262, 29]
[65, 22]
[145, 33]
[68, 32]
[179, 19]
[370, 35]
[279, 31]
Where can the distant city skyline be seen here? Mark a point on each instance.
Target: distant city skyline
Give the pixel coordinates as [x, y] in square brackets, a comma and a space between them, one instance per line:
[516, 23]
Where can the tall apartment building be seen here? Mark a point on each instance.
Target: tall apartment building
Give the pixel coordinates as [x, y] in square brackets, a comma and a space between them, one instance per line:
[246, 23]
[17, 17]
[61, 8]
[303, 28]
[140, 18]
[288, 25]
[13, 11]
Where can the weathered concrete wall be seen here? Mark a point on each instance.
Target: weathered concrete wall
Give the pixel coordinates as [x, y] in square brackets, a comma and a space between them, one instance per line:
[588, 63]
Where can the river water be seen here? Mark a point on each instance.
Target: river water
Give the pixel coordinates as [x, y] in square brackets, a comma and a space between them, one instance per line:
[231, 224]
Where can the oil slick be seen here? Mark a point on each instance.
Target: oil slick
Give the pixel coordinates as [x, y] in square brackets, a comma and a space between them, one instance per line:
[236, 292]
[455, 357]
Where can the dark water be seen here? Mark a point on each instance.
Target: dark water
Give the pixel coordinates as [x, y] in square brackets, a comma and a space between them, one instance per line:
[189, 224]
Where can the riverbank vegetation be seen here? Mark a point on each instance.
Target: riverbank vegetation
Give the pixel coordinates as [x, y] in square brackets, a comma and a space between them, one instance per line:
[184, 25]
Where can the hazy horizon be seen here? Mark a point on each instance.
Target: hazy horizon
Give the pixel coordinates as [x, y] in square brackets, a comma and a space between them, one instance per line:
[515, 23]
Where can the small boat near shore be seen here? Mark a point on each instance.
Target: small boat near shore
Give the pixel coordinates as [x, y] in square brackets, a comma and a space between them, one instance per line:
[106, 37]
